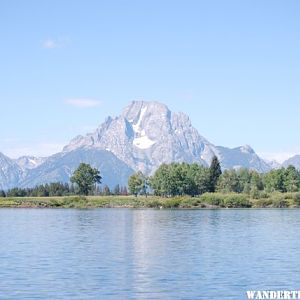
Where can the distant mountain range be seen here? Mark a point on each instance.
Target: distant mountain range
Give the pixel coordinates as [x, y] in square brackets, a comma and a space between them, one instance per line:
[144, 136]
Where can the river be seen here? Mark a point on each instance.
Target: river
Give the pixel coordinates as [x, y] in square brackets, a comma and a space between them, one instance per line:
[147, 254]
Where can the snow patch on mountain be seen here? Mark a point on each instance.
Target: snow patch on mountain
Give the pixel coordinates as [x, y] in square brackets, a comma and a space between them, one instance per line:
[136, 127]
[143, 142]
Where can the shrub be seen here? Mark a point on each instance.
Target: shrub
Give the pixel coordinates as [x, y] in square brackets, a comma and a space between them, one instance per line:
[279, 200]
[153, 203]
[236, 200]
[231, 200]
[264, 202]
[190, 202]
[296, 198]
[171, 203]
[212, 199]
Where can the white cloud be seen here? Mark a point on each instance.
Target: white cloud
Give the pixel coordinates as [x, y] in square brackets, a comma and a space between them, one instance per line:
[51, 43]
[83, 103]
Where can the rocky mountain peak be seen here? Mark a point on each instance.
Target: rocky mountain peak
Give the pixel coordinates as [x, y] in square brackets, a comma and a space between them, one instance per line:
[10, 172]
[147, 134]
[137, 110]
[142, 137]
[29, 162]
[247, 149]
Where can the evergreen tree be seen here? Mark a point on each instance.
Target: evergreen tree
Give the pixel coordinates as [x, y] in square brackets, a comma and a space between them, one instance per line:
[291, 179]
[124, 191]
[106, 190]
[97, 190]
[117, 189]
[214, 173]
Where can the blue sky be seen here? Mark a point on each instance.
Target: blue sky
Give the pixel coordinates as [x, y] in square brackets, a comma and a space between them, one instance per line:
[232, 66]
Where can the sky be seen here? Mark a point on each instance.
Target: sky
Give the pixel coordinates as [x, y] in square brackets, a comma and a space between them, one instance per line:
[232, 66]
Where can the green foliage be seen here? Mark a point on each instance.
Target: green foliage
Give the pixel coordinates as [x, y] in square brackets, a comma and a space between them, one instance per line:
[214, 173]
[282, 180]
[215, 199]
[117, 190]
[85, 177]
[240, 181]
[231, 200]
[180, 179]
[164, 182]
[16, 192]
[276, 200]
[296, 198]
[106, 190]
[236, 201]
[123, 191]
[274, 180]
[229, 182]
[199, 175]
[57, 189]
[291, 179]
[174, 182]
[47, 190]
[207, 200]
[171, 203]
[263, 203]
[279, 200]
[137, 184]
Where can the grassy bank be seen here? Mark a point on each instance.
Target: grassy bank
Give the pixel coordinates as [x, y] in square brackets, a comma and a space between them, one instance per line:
[208, 200]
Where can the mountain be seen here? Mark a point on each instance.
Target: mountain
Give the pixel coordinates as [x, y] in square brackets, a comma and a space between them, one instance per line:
[29, 162]
[241, 157]
[294, 161]
[59, 168]
[273, 164]
[148, 134]
[10, 172]
[142, 137]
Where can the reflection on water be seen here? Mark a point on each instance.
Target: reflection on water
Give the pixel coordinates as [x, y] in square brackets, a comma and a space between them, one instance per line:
[147, 254]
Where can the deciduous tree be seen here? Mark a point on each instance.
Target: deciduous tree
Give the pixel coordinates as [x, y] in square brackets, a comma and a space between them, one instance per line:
[85, 177]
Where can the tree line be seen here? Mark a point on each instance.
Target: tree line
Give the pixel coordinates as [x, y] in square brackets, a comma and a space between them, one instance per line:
[63, 189]
[177, 179]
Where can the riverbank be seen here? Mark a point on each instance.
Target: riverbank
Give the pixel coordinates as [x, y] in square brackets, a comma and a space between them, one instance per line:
[208, 200]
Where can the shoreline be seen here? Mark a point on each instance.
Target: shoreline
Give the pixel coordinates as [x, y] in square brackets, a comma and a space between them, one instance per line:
[205, 202]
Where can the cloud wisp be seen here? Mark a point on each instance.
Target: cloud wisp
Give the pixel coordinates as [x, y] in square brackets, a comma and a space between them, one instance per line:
[51, 43]
[83, 103]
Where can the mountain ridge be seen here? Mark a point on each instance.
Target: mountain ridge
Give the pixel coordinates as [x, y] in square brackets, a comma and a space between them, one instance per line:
[149, 145]
[142, 137]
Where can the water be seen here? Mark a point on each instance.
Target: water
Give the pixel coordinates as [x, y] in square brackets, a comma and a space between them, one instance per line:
[147, 254]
